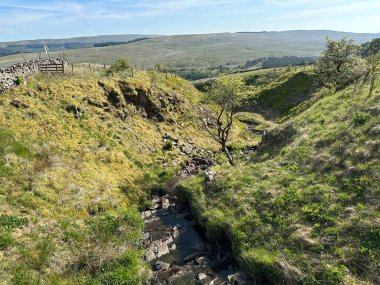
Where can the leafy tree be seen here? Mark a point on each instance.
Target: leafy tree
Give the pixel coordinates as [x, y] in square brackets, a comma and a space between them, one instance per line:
[120, 65]
[371, 47]
[373, 63]
[225, 93]
[339, 64]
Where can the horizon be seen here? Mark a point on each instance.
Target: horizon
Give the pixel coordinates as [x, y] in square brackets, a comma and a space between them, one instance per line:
[37, 19]
[173, 35]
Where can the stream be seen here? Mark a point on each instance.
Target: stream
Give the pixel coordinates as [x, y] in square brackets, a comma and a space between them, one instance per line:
[177, 251]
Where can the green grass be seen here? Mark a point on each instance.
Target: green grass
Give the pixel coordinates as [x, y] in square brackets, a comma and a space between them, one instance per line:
[205, 50]
[304, 207]
[72, 184]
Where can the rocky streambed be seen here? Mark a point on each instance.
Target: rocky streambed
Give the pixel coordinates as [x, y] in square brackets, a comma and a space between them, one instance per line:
[178, 252]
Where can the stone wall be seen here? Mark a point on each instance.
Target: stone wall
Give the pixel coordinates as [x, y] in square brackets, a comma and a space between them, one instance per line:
[8, 76]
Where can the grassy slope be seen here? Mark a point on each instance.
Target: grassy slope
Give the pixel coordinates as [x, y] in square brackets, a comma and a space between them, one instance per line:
[70, 187]
[202, 51]
[306, 205]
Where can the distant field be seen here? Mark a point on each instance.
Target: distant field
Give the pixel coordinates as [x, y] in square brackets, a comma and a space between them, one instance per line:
[206, 50]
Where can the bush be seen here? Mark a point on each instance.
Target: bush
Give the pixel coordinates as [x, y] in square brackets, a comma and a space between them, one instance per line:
[360, 118]
[19, 80]
[169, 145]
[334, 275]
[120, 66]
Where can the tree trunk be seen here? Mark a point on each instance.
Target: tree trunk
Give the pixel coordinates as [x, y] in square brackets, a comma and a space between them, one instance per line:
[227, 153]
[372, 85]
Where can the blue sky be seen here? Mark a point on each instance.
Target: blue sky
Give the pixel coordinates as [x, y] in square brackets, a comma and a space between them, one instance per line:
[55, 19]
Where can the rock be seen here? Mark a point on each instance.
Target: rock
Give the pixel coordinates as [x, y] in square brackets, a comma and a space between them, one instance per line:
[165, 203]
[168, 239]
[175, 232]
[194, 256]
[173, 247]
[202, 276]
[176, 268]
[201, 260]
[147, 214]
[161, 248]
[186, 148]
[145, 236]
[236, 279]
[210, 175]
[150, 255]
[156, 200]
[160, 265]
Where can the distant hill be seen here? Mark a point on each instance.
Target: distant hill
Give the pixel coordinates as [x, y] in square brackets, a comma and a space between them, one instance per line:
[27, 46]
[204, 50]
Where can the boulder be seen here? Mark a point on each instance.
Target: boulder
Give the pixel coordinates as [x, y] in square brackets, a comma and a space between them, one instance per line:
[150, 255]
[202, 276]
[160, 265]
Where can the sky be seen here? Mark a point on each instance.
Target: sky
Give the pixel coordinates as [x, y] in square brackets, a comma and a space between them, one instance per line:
[37, 19]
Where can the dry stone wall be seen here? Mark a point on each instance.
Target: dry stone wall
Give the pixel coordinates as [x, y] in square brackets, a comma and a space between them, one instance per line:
[9, 75]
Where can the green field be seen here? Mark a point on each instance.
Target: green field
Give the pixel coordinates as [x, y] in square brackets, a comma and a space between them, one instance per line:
[205, 50]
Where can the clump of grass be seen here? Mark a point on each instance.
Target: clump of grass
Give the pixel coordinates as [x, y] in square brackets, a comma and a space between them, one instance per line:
[19, 80]
[128, 269]
[6, 240]
[262, 265]
[360, 118]
[10, 222]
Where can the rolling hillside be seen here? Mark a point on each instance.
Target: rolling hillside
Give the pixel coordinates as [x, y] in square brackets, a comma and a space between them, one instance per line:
[304, 208]
[206, 50]
[28, 46]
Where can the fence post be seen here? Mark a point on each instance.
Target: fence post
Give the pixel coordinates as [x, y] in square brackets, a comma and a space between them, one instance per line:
[72, 68]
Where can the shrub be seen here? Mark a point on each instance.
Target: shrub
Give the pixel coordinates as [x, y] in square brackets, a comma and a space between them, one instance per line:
[169, 145]
[19, 80]
[333, 275]
[120, 66]
[360, 118]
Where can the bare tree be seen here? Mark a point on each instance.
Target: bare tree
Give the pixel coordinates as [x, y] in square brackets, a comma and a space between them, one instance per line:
[224, 95]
